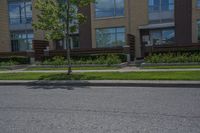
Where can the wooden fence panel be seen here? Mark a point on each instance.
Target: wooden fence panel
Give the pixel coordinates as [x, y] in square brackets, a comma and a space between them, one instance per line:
[172, 48]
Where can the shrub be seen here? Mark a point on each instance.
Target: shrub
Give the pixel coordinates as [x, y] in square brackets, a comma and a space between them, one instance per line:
[173, 58]
[9, 63]
[15, 60]
[96, 59]
[57, 60]
[112, 59]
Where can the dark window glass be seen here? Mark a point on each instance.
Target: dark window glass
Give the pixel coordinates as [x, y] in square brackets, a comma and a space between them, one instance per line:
[154, 6]
[110, 37]
[198, 3]
[162, 36]
[74, 43]
[161, 11]
[109, 8]
[20, 12]
[22, 40]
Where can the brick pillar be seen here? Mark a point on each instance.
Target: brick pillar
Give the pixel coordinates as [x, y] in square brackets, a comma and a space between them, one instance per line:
[39, 47]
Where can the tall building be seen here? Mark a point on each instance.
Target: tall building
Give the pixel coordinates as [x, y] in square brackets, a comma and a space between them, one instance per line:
[152, 22]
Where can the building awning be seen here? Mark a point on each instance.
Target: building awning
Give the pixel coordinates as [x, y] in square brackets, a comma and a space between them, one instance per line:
[156, 26]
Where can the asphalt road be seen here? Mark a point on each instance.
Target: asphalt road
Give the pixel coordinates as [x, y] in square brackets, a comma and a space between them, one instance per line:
[31, 109]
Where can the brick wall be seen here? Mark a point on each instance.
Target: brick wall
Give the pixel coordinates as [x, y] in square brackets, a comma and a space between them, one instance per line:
[4, 27]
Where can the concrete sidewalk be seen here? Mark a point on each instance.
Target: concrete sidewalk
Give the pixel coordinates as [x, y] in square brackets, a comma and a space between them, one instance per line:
[84, 71]
[125, 83]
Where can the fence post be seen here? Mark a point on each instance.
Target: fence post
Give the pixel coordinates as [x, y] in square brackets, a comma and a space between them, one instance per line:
[39, 47]
[126, 51]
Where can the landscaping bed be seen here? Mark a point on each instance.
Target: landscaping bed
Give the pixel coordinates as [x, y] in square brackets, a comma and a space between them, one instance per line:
[180, 60]
[180, 57]
[168, 66]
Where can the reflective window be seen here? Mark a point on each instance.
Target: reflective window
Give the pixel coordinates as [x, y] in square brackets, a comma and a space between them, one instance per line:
[109, 8]
[110, 37]
[198, 23]
[198, 3]
[20, 12]
[168, 36]
[74, 42]
[161, 11]
[162, 36]
[21, 41]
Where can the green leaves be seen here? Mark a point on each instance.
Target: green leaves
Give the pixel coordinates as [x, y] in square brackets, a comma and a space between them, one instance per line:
[54, 20]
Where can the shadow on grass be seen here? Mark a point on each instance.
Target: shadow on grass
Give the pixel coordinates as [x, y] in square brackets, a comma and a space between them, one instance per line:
[64, 76]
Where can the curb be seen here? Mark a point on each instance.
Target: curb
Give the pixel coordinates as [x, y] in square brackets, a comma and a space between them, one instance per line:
[113, 83]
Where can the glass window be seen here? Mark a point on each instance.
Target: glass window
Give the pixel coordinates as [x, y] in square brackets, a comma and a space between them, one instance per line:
[198, 3]
[20, 12]
[109, 8]
[155, 37]
[110, 37]
[168, 36]
[154, 6]
[198, 23]
[74, 42]
[162, 36]
[161, 11]
[22, 40]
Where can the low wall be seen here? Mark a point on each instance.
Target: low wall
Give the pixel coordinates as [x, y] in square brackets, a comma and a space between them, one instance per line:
[9, 54]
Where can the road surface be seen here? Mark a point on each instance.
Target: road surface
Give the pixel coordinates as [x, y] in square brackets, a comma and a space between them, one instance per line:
[61, 109]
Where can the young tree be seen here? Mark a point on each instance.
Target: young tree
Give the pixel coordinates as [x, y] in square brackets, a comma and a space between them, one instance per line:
[59, 19]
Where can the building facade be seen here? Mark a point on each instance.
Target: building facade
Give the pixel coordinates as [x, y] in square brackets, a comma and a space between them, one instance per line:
[152, 22]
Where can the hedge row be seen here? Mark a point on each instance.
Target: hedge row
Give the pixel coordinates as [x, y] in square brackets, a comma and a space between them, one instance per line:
[14, 60]
[174, 58]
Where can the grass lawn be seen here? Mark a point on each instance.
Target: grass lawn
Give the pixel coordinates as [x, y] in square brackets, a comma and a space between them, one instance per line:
[171, 67]
[188, 75]
[76, 68]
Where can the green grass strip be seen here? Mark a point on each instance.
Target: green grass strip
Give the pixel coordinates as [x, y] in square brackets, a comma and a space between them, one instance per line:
[75, 68]
[171, 67]
[187, 75]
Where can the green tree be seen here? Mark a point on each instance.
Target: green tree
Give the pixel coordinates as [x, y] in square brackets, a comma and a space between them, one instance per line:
[59, 19]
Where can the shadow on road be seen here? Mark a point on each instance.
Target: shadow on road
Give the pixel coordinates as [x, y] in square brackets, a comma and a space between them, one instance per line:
[63, 76]
[51, 87]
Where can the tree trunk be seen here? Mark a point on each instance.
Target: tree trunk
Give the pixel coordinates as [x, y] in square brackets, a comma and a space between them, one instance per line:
[67, 38]
[68, 55]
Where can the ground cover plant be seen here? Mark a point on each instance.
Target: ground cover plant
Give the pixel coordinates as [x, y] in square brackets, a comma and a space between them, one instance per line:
[186, 57]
